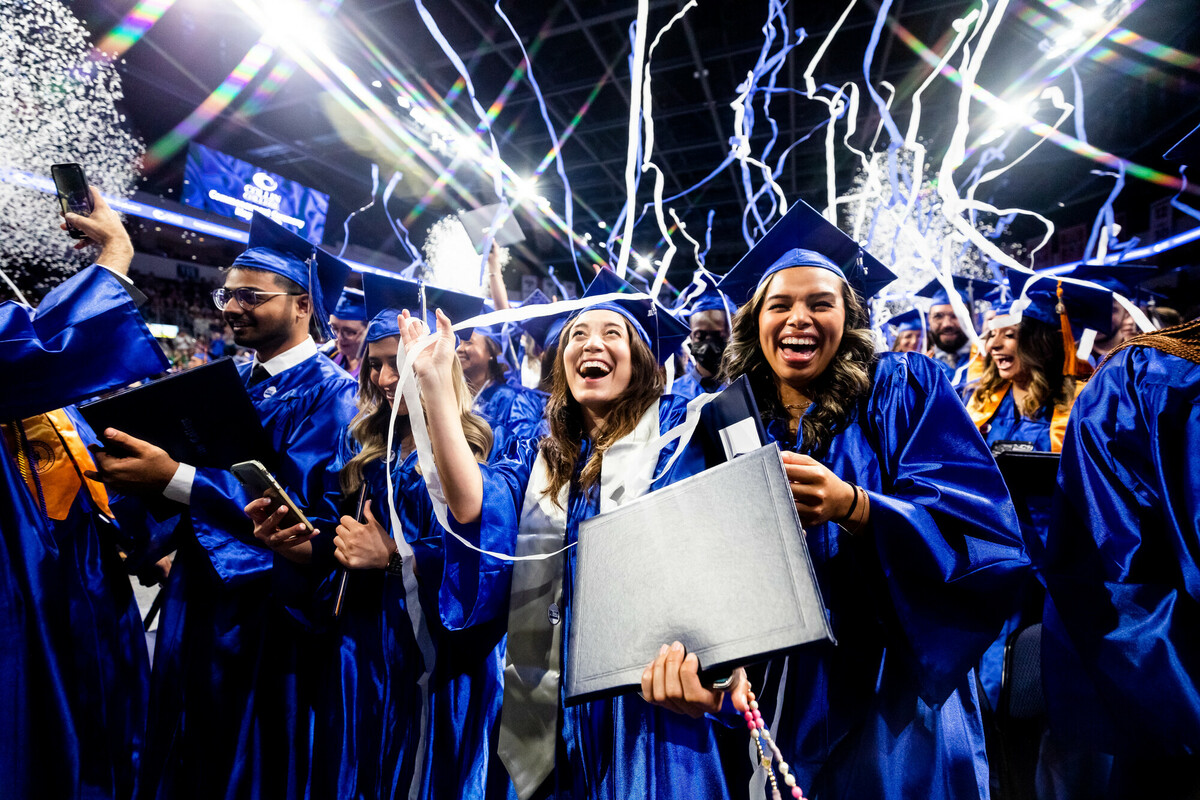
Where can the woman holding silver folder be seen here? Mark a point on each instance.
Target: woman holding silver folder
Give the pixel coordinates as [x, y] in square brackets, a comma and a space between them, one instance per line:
[605, 403]
[912, 532]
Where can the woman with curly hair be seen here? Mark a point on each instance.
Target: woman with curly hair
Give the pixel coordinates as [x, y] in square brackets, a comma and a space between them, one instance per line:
[606, 401]
[911, 530]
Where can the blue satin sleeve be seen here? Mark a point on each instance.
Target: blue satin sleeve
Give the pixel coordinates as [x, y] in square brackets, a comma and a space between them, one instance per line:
[943, 523]
[306, 431]
[85, 337]
[475, 586]
[1121, 646]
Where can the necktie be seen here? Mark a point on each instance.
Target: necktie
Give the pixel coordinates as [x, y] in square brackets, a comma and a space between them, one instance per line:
[258, 375]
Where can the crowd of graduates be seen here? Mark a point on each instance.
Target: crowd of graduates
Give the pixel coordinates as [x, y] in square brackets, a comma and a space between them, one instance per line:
[410, 638]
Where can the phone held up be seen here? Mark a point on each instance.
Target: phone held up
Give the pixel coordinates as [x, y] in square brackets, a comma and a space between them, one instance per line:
[73, 194]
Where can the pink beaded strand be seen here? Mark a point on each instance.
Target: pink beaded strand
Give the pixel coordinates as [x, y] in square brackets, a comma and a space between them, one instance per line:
[759, 733]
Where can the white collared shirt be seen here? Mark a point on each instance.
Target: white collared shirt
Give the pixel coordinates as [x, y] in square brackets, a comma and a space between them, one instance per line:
[289, 358]
[180, 487]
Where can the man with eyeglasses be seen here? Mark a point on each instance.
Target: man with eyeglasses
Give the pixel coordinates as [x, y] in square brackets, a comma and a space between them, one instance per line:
[232, 665]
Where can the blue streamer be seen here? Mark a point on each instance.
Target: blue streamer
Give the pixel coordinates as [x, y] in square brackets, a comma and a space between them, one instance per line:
[1105, 215]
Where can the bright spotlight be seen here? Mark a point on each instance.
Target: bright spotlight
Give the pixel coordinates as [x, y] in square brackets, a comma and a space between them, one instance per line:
[377, 84]
[289, 24]
[602, 224]
[524, 189]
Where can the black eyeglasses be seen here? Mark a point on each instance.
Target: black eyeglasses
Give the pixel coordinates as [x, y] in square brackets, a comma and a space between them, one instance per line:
[246, 298]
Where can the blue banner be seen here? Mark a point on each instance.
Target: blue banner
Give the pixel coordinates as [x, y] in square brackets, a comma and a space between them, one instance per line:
[217, 182]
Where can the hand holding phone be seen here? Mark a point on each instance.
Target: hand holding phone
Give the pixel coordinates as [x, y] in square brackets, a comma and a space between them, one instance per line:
[74, 197]
[261, 483]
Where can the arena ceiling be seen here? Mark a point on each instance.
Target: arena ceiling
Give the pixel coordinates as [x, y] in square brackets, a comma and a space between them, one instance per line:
[1138, 102]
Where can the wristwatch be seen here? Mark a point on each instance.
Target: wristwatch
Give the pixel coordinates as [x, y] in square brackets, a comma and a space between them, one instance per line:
[395, 564]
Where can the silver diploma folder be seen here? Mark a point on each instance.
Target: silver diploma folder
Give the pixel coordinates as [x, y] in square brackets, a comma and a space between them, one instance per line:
[716, 561]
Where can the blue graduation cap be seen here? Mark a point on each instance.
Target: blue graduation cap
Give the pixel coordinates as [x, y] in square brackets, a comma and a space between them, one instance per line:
[1001, 295]
[387, 296]
[545, 330]
[969, 289]
[702, 294]
[906, 321]
[1122, 278]
[897, 324]
[274, 248]
[1085, 307]
[652, 322]
[804, 238]
[351, 306]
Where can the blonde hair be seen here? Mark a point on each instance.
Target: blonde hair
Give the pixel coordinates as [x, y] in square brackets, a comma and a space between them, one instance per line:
[561, 447]
[1040, 348]
[370, 426]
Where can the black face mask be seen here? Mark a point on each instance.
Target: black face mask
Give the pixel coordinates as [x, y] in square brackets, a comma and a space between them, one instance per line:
[707, 352]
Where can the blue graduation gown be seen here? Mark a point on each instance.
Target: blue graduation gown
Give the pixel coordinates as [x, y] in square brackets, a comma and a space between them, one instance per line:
[86, 337]
[73, 666]
[367, 710]
[691, 385]
[1121, 637]
[233, 669]
[514, 412]
[609, 749]
[891, 711]
[1008, 425]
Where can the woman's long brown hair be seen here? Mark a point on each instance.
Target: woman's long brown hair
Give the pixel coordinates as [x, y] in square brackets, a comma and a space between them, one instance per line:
[562, 446]
[833, 393]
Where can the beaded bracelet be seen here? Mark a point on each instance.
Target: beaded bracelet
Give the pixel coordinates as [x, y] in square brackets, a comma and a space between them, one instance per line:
[759, 733]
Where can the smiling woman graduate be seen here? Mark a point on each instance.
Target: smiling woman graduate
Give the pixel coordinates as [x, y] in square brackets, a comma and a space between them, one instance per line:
[605, 402]
[912, 532]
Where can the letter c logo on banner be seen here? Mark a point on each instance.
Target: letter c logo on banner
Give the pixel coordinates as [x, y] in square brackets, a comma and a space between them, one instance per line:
[265, 182]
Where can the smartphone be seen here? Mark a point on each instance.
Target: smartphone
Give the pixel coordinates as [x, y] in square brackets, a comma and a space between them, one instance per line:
[73, 193]
[260, 483]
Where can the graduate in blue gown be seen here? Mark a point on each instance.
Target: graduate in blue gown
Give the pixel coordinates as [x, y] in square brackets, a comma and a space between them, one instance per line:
[912, 533]
[369, 739]
[348, 322]
[74, 666]
[233, 674]
[707, 312]
[949, 343]
[607, 377]
[513, 411]
[1120, 651]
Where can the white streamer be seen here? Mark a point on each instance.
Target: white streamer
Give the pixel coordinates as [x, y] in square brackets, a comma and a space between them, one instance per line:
[635, 110]
[648, 149]
[410, 391]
